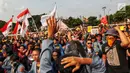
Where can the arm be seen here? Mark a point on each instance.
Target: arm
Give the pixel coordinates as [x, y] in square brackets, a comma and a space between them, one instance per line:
[69, 36]
[47, 46]
[84, 60]
[124, 40]
[128, 37]
[104, 58]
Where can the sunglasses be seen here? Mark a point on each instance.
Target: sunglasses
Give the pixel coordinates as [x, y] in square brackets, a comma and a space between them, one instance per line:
[89, 43]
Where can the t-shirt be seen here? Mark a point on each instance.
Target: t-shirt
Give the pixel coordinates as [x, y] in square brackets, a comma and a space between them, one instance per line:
[116, 58]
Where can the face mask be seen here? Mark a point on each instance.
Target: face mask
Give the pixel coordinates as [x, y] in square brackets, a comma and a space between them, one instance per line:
[110, 42]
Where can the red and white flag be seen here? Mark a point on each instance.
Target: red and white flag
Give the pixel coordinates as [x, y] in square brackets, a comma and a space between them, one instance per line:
[104, 20]
[16, 28]
[6, 28]
[23, 17]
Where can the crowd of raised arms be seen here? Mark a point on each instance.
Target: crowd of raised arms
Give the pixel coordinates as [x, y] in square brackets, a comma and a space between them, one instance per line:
[76, 51]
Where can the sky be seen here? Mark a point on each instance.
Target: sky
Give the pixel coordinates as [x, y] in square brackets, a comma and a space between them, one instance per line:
[65, 8]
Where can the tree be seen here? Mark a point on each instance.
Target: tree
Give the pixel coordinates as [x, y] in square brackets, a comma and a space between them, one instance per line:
[120, 16]
[92, 20]
[72, 22]
[2, 23]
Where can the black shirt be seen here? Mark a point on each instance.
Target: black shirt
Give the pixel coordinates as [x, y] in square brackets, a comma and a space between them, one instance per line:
[116, 58]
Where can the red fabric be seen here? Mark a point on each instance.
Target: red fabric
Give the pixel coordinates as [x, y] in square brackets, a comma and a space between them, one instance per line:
[104, 20]
[23, 13]
[4, 28]
[16, 28]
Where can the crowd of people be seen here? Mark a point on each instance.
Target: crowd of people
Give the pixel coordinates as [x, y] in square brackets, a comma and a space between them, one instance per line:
[67, 52]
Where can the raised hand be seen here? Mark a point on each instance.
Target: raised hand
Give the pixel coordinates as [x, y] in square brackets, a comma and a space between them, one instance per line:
[51, 26]
[71, 61]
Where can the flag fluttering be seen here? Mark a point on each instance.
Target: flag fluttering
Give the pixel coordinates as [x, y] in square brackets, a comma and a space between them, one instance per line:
[45, 17]
[104, 20]
[6, 28]
[23, 18]
[16, 28]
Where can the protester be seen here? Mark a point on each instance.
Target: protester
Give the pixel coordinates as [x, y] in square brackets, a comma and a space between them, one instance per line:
[47, 47]
[55, 56]
[98, 45]
[36, 64]
[114, 51]
[17, 67]
[7, 52]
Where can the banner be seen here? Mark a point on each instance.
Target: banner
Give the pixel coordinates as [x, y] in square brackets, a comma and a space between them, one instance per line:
[89, 28]
[94, 31]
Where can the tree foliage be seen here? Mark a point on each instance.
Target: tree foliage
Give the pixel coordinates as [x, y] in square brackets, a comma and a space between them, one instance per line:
[119, 16]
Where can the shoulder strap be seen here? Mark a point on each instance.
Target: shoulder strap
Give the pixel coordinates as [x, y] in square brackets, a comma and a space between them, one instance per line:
[108, 50]
[44, 51]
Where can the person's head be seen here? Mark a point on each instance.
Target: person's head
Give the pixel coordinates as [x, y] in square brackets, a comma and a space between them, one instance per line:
[26, 42]
[4, 46]
[80, 36]
[14, 57]
[7, 52]
[36, 54]
[55, 41]
[21, 49]
[99, 37]
[111, 36]
[69, 69]
[55, 54]
[18, 44]
[4, 53]
[76, 47]
[39, 41]
[30, 46]
[93, 38]
[37, 45]
[89, 43]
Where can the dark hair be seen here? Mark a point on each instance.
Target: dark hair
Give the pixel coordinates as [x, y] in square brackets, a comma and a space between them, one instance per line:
[22, 46]
[69, 69]
[14, 57]
[76, 48]
[8, 51]
[88, 40]
[37, 49]
[80, 36]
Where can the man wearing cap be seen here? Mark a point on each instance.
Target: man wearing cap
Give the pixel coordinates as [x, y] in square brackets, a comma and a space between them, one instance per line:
[114, 51]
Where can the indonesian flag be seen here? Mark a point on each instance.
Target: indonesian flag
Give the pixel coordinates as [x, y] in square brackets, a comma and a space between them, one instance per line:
[104, 20]
[23, 17]
[45, 17]
[16, 28]
[6, 28]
